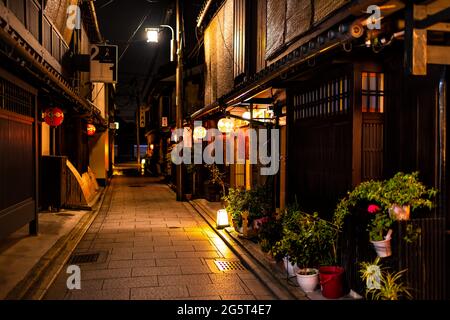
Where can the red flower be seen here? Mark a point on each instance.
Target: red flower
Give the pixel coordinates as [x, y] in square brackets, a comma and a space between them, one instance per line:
[373, 208]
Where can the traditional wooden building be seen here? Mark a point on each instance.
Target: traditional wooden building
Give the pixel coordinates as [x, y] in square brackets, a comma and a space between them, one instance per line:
[45, 63]
[359, 91]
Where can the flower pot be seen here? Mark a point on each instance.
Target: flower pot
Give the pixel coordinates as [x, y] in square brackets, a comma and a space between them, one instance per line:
[291, 269]
[383, 247]
[308, 282]
[332, 281]
[400, 212]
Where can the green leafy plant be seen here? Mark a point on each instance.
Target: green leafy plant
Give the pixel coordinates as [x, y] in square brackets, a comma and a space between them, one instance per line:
[402, 189]
[307, 239]
[255, 201]
[381, 284]
[271, 232]
[379, 225]
[406, 189]
[236, 204]
[217, 177]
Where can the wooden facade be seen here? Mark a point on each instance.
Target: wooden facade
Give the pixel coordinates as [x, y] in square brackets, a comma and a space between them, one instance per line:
[354, 113]
[39, 68]
[18, 149]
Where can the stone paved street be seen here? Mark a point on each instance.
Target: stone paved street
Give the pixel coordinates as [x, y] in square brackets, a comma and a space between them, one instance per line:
[153, 247]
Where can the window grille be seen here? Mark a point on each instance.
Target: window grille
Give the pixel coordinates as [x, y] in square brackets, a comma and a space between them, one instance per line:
[326, 99]
[15, 99]
[372, 92]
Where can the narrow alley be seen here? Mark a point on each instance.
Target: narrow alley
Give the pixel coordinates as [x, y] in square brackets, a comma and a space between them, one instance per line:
[150, 246]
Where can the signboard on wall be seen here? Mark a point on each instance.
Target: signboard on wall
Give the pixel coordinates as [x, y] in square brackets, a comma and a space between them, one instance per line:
[164, 122]
[142, 117]
[104, 63]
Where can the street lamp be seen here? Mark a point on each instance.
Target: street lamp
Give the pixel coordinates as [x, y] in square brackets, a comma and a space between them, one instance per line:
[153, 33]
[152, 36]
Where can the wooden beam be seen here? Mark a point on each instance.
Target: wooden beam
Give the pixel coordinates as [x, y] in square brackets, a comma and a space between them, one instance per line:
[441, 26]
[419, 52]
[433, 19]
[438, 55]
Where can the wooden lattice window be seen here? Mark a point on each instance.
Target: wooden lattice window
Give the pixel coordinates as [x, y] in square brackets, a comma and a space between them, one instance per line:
[15, 99]
[326, 99]
[372, 92]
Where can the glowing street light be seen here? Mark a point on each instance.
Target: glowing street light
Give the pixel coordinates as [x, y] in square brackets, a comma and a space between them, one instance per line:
[152, 34]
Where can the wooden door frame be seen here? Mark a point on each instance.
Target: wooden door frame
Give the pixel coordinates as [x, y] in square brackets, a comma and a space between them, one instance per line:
[357, 116]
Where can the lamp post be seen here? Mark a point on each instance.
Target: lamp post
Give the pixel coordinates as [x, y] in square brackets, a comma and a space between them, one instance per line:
[175, 45]
[152, 36]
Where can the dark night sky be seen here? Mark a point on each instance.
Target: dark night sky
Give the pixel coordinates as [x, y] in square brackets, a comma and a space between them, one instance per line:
[118, 19]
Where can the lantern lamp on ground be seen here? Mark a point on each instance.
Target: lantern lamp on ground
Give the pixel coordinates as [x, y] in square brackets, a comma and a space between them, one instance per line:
[222, 219]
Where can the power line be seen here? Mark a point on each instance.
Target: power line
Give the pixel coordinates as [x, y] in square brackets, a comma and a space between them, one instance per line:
[134, 33]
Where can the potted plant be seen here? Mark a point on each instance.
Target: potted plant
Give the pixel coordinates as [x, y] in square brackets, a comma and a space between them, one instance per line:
[270, 233]
[380, 231]
[217, 178]
[404, 192]
[307, 242]
[249, 209]
[388, 201]
[235, 205]
[381, 284]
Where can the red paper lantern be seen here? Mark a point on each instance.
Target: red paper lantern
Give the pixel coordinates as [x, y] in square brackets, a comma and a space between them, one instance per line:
[90, 129]
[53, 116]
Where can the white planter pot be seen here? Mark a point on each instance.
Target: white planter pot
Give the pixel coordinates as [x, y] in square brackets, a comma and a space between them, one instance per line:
[383, 248]
[291, 269]
[308, 282]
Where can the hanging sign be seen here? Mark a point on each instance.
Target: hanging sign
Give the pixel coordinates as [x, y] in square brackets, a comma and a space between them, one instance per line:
[142, 118]
[104, 63]
[53, 117]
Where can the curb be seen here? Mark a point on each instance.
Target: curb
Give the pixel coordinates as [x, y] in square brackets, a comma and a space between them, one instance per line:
[37, 281]
[261, 272]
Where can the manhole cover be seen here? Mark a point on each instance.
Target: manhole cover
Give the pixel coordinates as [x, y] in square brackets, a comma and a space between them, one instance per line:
[136, 186]
[229, 265]
[84, 258]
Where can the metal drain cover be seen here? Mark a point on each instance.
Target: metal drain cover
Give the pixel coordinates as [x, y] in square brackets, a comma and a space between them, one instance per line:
[223, 265]
[84, 258]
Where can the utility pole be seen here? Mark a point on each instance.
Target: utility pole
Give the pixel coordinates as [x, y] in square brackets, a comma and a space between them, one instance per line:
[138, 123]
[179, 95]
